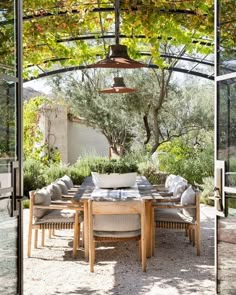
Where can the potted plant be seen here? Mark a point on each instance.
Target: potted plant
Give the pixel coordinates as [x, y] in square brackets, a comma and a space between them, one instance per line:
[114, 174]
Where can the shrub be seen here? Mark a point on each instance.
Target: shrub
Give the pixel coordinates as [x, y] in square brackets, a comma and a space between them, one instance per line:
[207, 188]
[33, 175]
[150, 171]
[76, 175]
[84, 164]
[26, 204]
[54, 172]
[191, 163]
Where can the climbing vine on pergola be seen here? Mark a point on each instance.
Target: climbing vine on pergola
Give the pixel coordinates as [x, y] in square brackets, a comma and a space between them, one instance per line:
[67, 35]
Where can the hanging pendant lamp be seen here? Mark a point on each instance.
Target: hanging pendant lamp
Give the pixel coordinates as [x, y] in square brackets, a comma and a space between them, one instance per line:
[117, 54]
[118, 87]
[118, 58]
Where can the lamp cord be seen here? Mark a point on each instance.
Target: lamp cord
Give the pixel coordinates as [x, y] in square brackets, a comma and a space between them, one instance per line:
[117, 21]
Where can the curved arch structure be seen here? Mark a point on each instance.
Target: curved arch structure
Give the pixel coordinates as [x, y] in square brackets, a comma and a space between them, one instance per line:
[65, 36]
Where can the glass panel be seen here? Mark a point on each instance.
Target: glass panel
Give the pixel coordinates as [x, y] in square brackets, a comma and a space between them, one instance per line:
[227, 250]
[7, 121]
[5, 174]
[7, 37]
[8, 250]
[227, 128]
[227, 41]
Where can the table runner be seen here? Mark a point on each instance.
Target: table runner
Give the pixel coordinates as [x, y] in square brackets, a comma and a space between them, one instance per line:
[116, 194]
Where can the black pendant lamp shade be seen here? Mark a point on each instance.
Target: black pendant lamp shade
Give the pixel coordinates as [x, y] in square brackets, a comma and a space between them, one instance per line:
[118, 87]
[118, 58]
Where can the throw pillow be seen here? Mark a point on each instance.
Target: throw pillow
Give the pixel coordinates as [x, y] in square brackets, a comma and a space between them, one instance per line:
[63, 186]
[189, 198]
[41, 197]
[56, 192]
[178, 190]
[67, 181]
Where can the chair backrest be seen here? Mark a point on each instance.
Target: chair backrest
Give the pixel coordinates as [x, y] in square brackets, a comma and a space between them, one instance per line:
[129, 207]
[40, 197]
[125, 208]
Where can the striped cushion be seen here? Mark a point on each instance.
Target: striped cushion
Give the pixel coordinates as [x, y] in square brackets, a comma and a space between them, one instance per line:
[58, 216]
[172, 215]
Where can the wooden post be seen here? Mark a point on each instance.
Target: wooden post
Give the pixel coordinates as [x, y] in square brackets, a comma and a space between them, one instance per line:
[198, 228]
[143, 235]
[30, 223]
[91, 240]
[148, 225]
[76, 233]
[86, 230]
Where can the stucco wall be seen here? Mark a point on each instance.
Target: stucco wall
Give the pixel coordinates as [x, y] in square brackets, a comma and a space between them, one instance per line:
[53, 124]
[83, 140]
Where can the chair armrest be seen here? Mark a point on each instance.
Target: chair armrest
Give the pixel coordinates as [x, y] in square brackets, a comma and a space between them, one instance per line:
[68, 197]
[77, 186]
[159, 187]
[173, 206]
[60, 206]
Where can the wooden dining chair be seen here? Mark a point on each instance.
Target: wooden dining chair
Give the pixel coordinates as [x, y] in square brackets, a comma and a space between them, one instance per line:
[116, 208]
[50, 216]
[183, 215]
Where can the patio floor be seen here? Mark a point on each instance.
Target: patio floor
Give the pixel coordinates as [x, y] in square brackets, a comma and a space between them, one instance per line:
[175, 269]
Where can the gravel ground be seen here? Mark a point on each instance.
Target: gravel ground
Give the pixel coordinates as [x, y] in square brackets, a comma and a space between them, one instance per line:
[175, 269]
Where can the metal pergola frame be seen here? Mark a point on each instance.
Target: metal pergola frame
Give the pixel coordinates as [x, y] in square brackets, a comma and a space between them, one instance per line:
[180, 61]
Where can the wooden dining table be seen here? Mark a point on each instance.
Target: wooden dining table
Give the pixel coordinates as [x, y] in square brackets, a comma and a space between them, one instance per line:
[145, 192]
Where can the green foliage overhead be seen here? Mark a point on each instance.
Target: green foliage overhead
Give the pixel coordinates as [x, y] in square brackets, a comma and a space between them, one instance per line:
[55, 32]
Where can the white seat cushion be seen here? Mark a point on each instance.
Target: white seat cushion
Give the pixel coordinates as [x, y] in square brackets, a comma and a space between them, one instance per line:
[117, 234]
[122, 222]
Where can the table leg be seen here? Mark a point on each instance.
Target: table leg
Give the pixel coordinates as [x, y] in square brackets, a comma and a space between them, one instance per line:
[86, 232]
[148, 228]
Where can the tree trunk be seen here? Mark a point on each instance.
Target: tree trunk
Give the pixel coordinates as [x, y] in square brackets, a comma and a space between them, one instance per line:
[155, 130]
[147, 128]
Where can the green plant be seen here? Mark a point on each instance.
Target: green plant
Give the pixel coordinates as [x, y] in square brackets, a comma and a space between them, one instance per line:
[76, 175]
[55, 171]
[207, 188]
[151, 172]
[190, 162]
[26, 204]
[33, 175]
[34, 148]
[114, 166]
